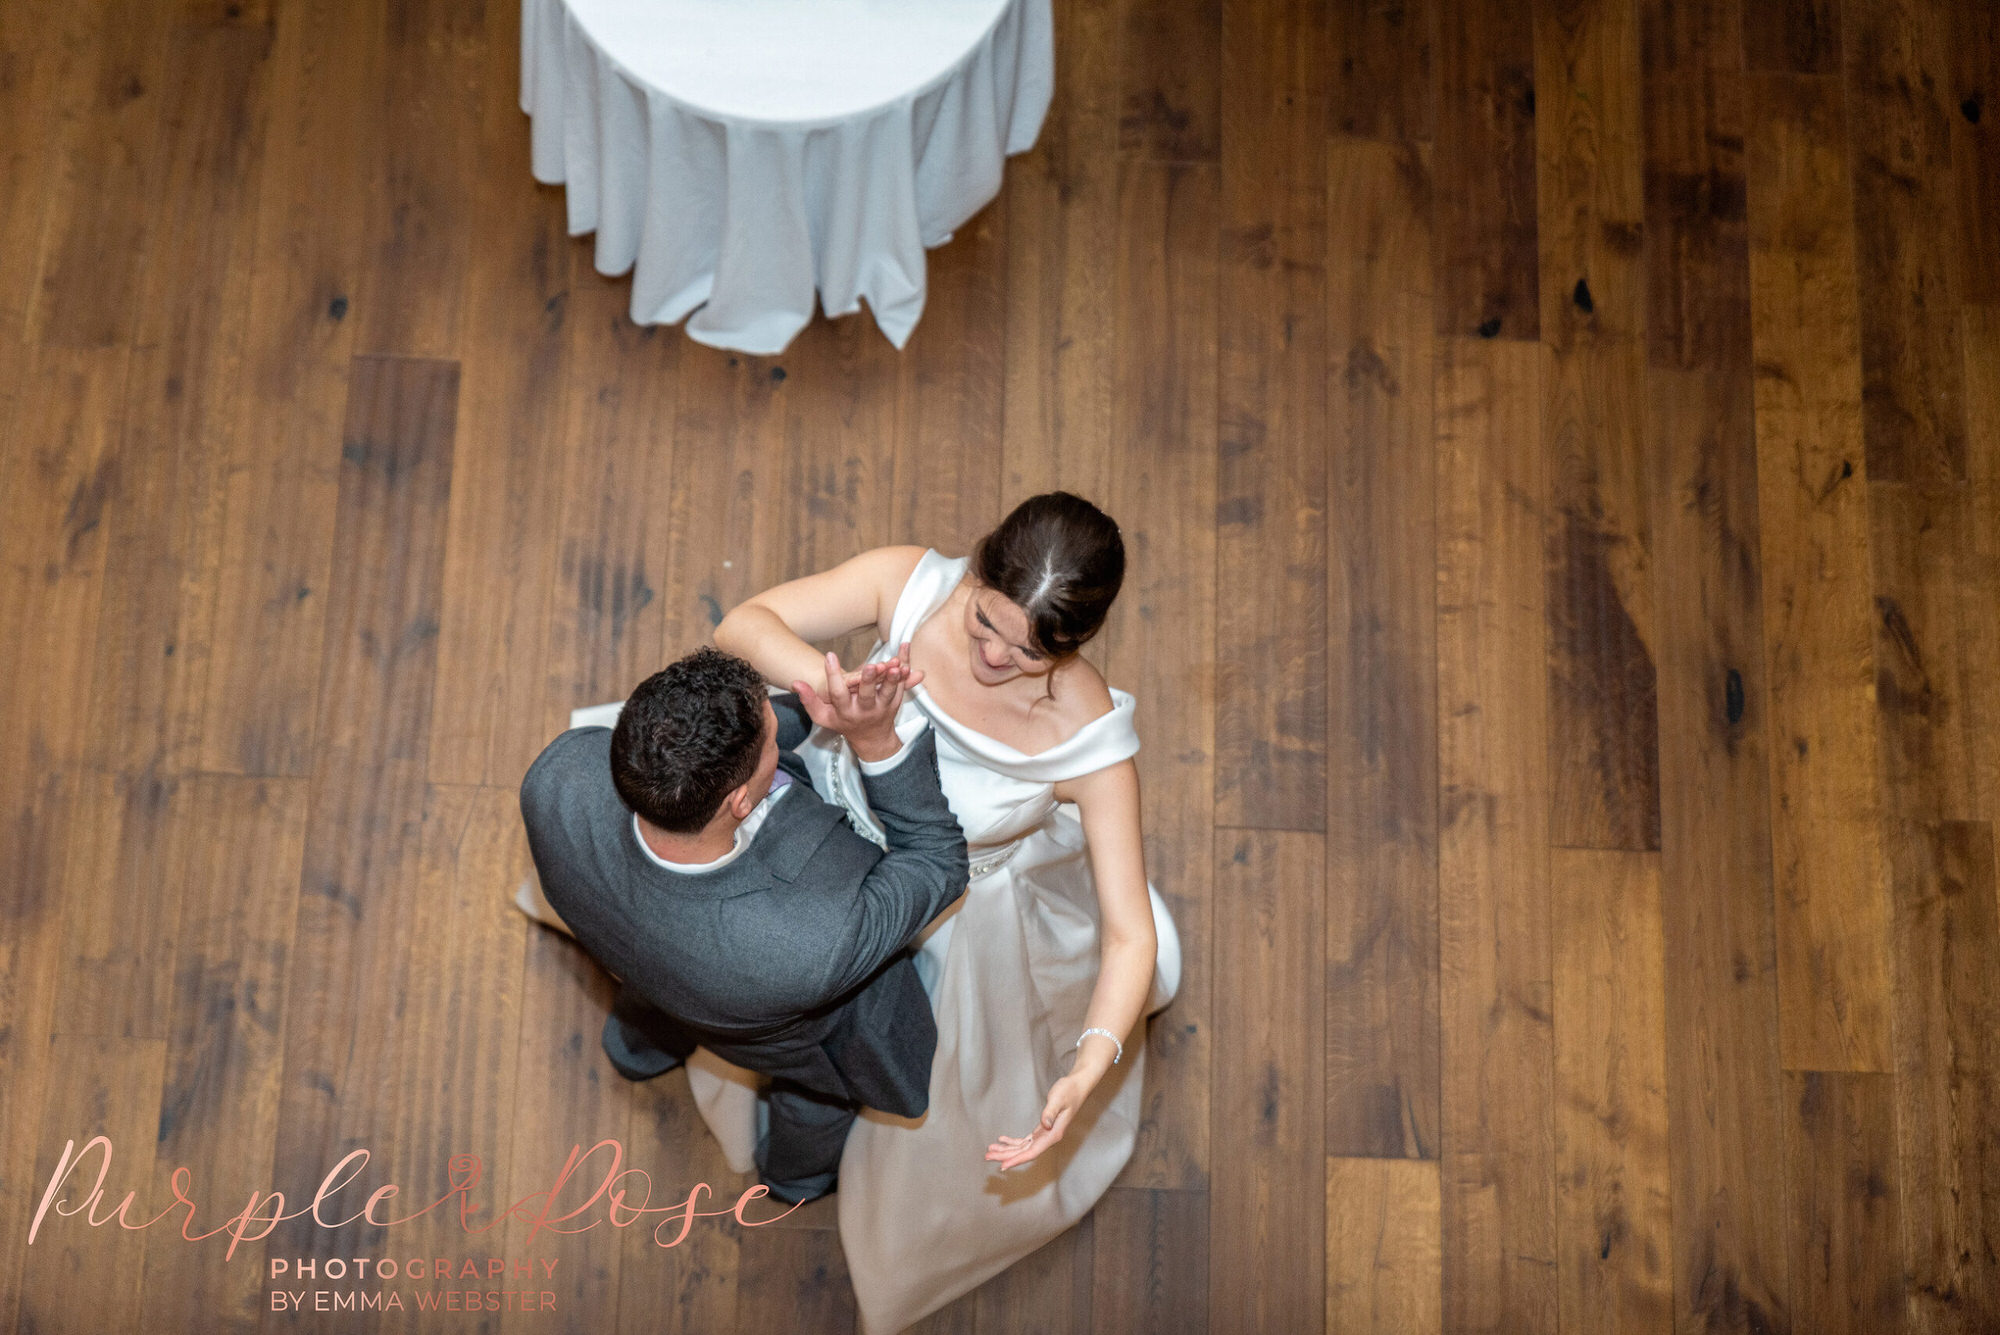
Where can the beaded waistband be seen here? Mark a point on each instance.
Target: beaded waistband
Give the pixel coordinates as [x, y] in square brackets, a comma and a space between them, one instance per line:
[993, 858]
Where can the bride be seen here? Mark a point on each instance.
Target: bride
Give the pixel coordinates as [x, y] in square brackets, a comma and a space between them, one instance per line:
[1042, 973]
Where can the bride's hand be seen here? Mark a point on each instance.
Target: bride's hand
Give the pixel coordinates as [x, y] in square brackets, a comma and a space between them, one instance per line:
[1065, 1097]
[913, 677]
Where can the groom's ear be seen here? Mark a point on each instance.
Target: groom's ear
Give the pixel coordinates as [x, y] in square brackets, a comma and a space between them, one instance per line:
[739, 802]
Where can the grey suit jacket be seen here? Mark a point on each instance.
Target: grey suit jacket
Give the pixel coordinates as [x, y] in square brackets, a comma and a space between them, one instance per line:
[789, 960]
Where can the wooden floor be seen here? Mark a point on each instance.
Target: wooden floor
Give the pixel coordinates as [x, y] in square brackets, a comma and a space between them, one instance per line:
[1559, 450]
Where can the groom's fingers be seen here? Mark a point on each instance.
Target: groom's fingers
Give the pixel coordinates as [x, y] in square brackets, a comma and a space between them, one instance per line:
[809, 698]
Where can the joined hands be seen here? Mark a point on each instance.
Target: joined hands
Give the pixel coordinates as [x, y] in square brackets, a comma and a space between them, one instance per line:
[862, 705]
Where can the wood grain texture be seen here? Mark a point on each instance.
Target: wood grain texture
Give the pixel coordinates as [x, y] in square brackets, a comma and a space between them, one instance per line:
[1684, 36]
[356, 907]
[946, 488]
[1722, 1055]
[62, 475]
[1841, 1194]
[693, 1285]
[1049, 1290]
[1948, 1070]
[57, 461]
[1169, 108]
[837, 390]
[165, 532]
[798, 1278]
[1153, 1275]
[1485, 237]
[1498, 1178]
[33, 841]
[1912, 369]
[1165, 415]
[1917, 536]
[1062, 218]
[1383, 83]
[1724, 1099]
[1697, 248]
[94, 1102]
[1792, 37]
[424, 180]
[1267, 1209]
[1972, 105]
[455, 1094]
[95, 230]
[1271, 475]
[564, 999]
[42, 45]
[119, 950]
[1603, 715]
[1979, 559]
[607, 624]
[490, 717]
[289, 394]
[1614, 1259]
[1830, 875]
[1383, 1246]
[224, 1027]
[1381, 817]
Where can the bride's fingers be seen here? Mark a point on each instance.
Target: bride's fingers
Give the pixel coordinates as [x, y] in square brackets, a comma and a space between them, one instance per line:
[836, 680]
[1026, 1154]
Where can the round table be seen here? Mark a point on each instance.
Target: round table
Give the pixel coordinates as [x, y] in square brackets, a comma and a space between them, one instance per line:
[740, 155]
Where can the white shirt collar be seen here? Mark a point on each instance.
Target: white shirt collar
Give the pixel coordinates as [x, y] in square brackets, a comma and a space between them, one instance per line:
[745, 832]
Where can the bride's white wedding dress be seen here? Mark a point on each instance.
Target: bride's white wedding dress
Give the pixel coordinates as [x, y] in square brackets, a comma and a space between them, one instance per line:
[1010, 969]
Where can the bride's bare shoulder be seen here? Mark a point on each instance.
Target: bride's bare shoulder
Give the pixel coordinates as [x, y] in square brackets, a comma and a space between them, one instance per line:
[889, 568]
[900, 559]
[1081, 691]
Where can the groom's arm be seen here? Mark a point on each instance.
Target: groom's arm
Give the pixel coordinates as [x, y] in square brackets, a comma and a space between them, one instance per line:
[925, 868]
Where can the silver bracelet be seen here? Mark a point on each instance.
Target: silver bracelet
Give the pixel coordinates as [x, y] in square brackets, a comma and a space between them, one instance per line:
[1107, 1033]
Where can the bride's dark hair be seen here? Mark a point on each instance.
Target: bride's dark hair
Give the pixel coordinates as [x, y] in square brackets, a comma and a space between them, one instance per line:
[1059, 559]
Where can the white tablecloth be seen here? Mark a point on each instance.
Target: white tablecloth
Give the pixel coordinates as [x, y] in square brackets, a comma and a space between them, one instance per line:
[736, 155]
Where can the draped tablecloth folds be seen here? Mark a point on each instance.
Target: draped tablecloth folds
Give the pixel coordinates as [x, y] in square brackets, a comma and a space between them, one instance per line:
[739, 155]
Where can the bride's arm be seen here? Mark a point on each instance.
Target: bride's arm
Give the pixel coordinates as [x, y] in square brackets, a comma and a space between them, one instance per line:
[776, 629]
[1108, 802]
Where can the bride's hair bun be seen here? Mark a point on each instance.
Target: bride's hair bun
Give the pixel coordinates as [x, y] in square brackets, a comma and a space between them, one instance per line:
[1059, 559]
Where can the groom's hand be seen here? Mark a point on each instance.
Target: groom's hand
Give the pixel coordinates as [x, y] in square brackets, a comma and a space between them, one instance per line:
[861, 706]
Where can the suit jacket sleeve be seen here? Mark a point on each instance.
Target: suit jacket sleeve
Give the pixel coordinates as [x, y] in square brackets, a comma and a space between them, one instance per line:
[925, 868]
[794, 725]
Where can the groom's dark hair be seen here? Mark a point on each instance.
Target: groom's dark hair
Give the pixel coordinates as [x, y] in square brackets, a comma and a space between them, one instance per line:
[689, 736]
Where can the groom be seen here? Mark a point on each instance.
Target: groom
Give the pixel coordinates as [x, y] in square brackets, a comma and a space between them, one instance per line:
[687, 852]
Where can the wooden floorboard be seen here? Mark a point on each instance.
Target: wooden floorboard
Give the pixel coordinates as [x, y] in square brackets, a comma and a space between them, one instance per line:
[1614, 1187]
[1494, 928]
[1271, 472]
[1557, 446]
[358, 906]
[1382, 786]
[1913, 377]
[1830, 881]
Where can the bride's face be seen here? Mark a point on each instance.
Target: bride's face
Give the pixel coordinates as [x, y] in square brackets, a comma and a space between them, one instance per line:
[999, 633]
